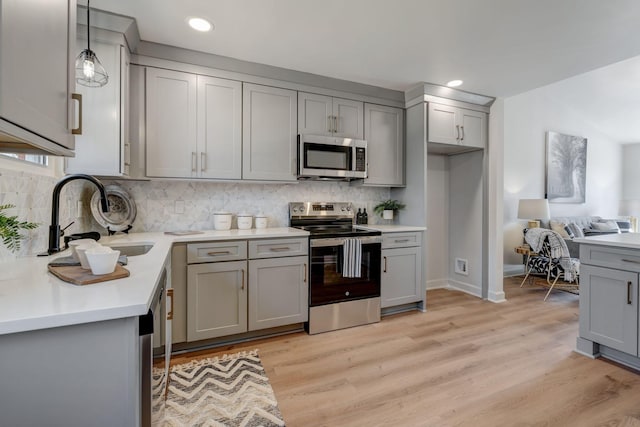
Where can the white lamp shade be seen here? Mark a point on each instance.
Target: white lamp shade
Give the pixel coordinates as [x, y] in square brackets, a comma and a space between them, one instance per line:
[533, 209]
[629, 208]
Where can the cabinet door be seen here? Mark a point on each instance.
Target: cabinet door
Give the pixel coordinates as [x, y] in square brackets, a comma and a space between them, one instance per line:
[473, 128]
[219, 128]
[216, 300]
[401, 276]
[442, 124]
[315, 114]
[100, 147]
[348, 118]
[171, 124]
[278, 292]
[385, 145]
[609, 307]
[269, 138]
[37, 53]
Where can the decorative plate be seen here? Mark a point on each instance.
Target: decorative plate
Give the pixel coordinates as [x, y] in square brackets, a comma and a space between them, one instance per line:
[122, 209]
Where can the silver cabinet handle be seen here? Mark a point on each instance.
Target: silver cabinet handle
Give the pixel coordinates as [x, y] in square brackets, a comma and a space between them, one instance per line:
[193, 161]
[633, 261]
[219, 253]
[78, 130]
[242, 287]
[462, 128]
[203, 161]
[335, 124]
[279, 249]
[385, 264]
[402, 240]
[304, 279]
[629, 292]
[458, 132]
[329, 124]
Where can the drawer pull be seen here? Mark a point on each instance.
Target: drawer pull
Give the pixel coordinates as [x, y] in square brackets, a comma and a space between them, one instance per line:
[385, 264]
[629, 292]
[217, 253]
[242, 287]
[633, 261]
[170, 295]
[279, 249]
[304, 280]
[402, 240]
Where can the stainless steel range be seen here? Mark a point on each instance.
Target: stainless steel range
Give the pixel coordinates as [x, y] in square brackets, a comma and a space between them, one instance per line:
[344, 282]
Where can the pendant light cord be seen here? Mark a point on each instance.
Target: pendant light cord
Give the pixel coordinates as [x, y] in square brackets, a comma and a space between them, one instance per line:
[88, 29]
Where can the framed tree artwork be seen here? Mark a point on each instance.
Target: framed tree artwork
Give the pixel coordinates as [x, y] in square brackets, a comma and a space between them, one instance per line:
[566, 168]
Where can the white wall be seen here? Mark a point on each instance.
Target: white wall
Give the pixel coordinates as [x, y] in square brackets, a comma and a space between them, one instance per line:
[526, 119]
[631, 172]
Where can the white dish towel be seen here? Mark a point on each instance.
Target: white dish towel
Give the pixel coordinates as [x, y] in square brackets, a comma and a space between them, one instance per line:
[352, 258]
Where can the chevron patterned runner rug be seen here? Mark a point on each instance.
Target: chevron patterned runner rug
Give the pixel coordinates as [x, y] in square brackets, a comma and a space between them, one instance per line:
[232, 390]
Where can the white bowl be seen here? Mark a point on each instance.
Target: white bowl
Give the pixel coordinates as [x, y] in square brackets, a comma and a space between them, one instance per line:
[102, 261]
[261, 221]
[73, 244]
[245, 221]
[222, 220]
[81, 253]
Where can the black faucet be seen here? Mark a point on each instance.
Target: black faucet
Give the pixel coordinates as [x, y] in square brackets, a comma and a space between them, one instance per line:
[54, 229]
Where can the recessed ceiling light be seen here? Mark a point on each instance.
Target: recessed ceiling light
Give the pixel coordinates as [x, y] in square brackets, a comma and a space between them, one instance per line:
[200, 24]
[454, 83]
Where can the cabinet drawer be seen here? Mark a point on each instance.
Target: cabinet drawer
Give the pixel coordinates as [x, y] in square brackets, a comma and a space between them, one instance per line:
[401, 240]
[278, 248]
[216, 251]
[604, 256]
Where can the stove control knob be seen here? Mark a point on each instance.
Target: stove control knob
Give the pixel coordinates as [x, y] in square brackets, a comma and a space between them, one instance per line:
[348, 208]
[295, 209]
[343, 209]
[346, 293]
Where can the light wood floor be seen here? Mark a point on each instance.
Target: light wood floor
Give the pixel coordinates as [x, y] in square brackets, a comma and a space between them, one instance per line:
[465, 362]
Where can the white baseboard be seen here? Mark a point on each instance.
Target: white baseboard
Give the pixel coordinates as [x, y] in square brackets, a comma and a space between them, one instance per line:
[513, 270]
[497, 297]
[437, 284]
[468, 288]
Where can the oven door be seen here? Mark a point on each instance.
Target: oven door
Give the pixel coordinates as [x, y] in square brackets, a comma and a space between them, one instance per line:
[327, 285]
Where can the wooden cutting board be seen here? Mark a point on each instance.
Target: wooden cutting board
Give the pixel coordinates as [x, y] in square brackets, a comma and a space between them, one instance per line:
[79, 276]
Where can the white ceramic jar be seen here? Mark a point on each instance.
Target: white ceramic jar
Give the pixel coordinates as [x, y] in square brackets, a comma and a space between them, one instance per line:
[261, 221]
[245, 221]
[222, 220]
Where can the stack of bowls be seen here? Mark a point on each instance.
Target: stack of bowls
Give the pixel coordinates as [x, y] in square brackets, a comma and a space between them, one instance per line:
[93, 256]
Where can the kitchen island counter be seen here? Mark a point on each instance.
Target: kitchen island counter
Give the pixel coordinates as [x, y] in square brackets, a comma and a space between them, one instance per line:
[31, 298]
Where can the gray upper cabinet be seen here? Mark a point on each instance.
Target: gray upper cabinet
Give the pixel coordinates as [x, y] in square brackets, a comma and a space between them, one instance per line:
[171, 148]
[384, 132]
[269, 133]
[456, 126]
[219, 128]
[193, 126]
[37, 53]
[103, 148]
[326, 115]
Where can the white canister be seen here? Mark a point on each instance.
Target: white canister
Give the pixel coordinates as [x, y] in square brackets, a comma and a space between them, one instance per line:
[222, 220]
[245, 221]
[261, 221]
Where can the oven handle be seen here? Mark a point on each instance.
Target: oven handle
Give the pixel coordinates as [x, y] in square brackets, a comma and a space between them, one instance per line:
[339, 241]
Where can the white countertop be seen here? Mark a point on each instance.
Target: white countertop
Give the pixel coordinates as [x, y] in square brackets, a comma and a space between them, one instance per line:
[391, 228]
[32, 298]
[621, 240]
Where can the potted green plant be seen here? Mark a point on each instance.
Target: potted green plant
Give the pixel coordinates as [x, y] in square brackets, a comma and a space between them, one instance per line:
[10, 229]
[387, 208]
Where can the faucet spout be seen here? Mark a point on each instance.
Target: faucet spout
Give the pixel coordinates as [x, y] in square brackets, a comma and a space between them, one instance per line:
[54, 229]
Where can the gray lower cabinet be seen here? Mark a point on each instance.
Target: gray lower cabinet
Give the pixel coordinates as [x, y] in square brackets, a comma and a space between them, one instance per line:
[401, 275]
[216, 299]
[609, 307]
[278, 292]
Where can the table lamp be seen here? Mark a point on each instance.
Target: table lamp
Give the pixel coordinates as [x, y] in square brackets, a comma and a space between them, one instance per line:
[630, 208]
[533, 210]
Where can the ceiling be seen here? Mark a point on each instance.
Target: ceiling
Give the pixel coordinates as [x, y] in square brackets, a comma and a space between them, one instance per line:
[498, 47]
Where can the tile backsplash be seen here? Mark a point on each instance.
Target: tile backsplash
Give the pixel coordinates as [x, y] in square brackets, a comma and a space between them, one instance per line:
[156, 203]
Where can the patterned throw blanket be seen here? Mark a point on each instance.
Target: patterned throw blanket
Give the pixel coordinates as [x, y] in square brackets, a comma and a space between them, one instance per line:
[535, 237]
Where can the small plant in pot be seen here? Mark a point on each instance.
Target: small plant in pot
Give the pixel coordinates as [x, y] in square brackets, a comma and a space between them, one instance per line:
[387, 208]
[10, 229]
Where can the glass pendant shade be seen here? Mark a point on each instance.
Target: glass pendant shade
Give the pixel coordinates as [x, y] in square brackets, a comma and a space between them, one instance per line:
[89, 70]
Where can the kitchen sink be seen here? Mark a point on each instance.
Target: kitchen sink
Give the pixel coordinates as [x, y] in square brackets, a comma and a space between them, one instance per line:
[133, 249]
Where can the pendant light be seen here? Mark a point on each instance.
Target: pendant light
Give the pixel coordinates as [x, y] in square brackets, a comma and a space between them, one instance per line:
[89, 70]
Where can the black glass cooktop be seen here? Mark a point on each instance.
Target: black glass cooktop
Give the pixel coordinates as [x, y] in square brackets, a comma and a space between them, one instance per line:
[324, 231]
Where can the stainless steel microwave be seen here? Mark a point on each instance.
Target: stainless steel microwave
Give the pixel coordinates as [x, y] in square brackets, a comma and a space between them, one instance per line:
[326, 157]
